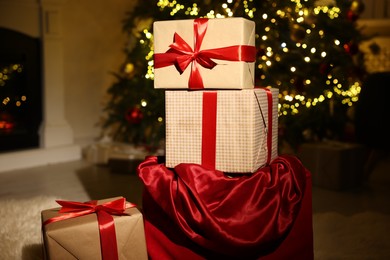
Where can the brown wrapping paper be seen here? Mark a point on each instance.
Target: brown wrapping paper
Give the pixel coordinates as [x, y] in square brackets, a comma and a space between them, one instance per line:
[334, 165]
[78, 238]
[220, 33]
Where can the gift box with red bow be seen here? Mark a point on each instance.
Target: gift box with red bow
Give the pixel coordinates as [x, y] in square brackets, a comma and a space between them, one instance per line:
[204, 53]
[233, 131]
[104, 229]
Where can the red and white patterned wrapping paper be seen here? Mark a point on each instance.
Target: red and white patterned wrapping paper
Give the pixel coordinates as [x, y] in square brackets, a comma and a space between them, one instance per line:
[220, 33]
[241, 133]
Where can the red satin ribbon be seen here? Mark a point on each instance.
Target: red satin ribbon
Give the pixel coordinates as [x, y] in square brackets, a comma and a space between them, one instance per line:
[269, 130]
[209, 129]
[104, 214]
[180, 54]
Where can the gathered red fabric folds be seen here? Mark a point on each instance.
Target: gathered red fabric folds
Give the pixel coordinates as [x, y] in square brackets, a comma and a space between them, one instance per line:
[215, 214]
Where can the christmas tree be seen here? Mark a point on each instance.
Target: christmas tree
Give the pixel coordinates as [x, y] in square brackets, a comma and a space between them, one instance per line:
[307, 49]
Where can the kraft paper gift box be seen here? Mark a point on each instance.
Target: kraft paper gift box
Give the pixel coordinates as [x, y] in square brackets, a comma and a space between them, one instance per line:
[233, 131]
[220, 33]
[125, 158]
[79, 238]
[334, 165]
[98, 153]
[121, 162]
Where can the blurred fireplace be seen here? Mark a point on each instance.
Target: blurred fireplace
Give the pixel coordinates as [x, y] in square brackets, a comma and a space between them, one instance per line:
[20, 91]
[37, 132]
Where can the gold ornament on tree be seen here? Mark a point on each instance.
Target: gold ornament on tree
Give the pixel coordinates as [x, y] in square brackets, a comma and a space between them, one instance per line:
[357, 7]
[129, 68]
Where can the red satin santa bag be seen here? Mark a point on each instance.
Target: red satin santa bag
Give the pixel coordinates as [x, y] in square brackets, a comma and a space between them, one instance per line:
[194, 213]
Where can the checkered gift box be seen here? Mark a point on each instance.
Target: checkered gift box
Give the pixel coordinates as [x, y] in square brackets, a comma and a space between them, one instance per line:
[241, 137]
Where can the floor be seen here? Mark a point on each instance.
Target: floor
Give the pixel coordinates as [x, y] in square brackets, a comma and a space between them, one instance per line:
[348, 224]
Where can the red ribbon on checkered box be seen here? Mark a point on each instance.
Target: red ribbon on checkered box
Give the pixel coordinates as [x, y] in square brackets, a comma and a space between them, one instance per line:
[209, 127]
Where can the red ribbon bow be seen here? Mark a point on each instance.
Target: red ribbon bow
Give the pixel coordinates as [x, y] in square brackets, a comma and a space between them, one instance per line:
[104, 214]
[180, 54]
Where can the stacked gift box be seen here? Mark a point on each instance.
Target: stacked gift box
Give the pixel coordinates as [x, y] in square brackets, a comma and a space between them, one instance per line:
[214, 115]
[239, 137]
[221, 190]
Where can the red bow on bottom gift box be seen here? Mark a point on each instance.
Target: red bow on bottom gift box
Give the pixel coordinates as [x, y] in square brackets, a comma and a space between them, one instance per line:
[194, 213]
[86, 230]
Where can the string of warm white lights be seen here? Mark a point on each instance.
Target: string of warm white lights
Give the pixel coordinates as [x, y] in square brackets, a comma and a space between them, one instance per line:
[308, 49]
[6, 74]
[290, 101]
